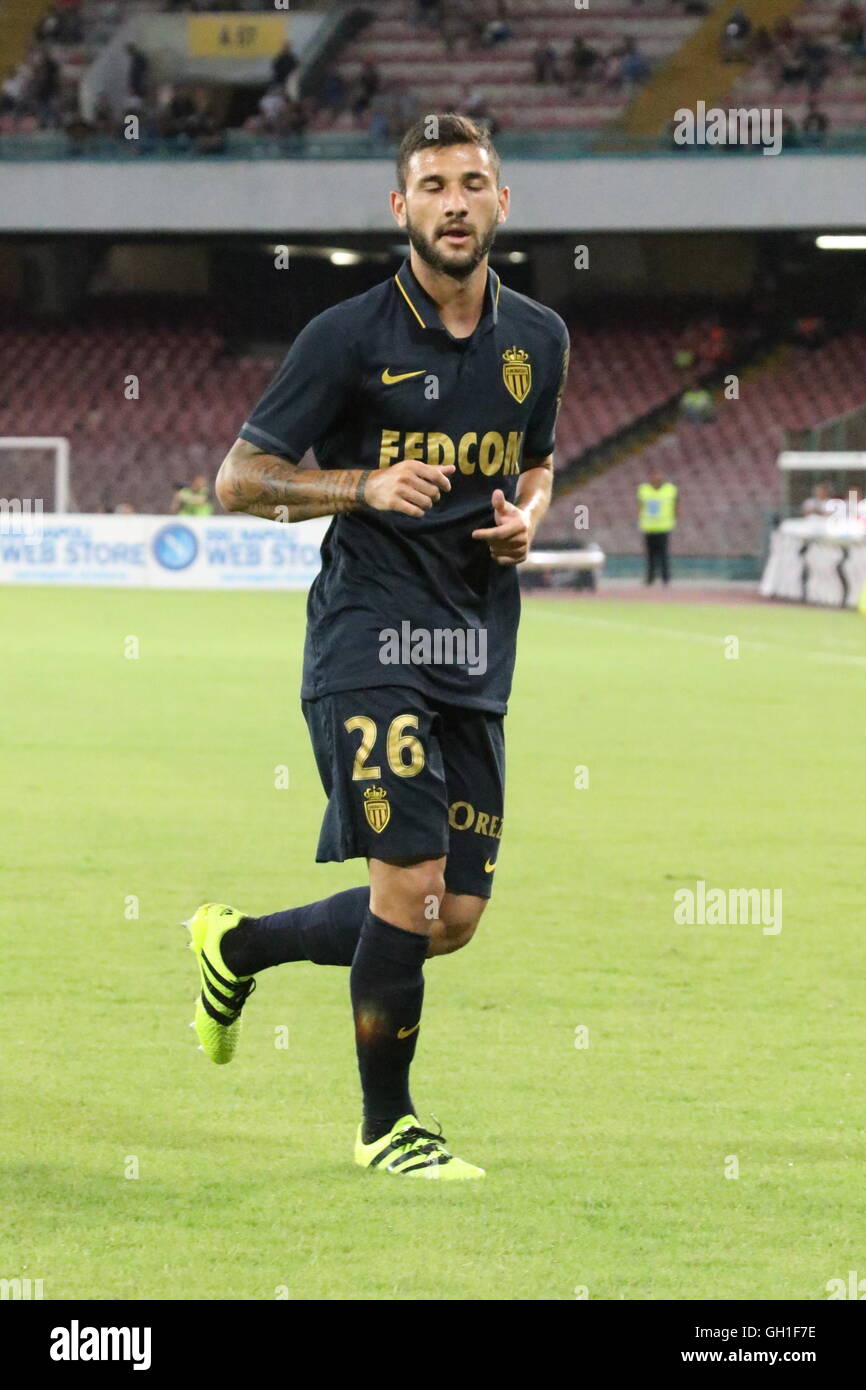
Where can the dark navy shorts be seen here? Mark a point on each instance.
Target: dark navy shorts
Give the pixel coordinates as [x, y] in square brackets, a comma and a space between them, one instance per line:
[408, 777]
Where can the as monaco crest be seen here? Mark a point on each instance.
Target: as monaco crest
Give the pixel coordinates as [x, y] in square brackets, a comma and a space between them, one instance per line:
[517, 373]
[376, 808]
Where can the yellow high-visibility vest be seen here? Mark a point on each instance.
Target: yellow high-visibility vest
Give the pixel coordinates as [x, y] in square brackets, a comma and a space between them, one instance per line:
[658, 507]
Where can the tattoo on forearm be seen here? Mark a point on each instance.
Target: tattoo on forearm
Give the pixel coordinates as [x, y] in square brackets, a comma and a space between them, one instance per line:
[264, 485]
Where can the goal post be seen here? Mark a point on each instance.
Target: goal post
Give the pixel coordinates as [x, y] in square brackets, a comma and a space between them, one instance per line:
[57, 445]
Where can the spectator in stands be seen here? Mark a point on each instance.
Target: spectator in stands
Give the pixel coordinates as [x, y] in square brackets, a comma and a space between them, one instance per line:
[689, 346]
[368, 85]
[816, 61]
[657, 518]
[790, 61]
[635, 68]
[476, 105]
[211, 134]
[820, 503]
[623, 64]
[12, 90]
[497, 29]
[696, 404]
[103, 116]
[194, 499]
[295, 119]
[544, 63]
[461, 21]
[272, 107]
[379, 125]
[332, 93]
[45, 87]
[714, 346]
[48, 28]
[581, 61]
[283, 65]
[762, 43]
[136, 76]
[816, 123]
[63, 23]
[79, 131]
[392, 111]
[849, 26]
[181, 116]
[427, 13]
[734, 42]
[810, 331]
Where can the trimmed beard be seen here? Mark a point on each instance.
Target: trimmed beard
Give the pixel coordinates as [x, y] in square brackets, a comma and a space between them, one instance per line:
[433, 258]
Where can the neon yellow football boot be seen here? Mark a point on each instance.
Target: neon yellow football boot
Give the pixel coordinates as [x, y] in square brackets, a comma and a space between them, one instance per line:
[415, 1151]
[223, 994]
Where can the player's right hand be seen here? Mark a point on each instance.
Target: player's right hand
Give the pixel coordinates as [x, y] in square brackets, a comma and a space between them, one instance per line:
[409, 487]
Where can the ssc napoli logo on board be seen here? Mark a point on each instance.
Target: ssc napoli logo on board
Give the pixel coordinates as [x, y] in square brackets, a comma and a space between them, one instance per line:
[175, 547]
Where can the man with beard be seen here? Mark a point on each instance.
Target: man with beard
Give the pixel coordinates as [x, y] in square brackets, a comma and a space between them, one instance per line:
[430, 402]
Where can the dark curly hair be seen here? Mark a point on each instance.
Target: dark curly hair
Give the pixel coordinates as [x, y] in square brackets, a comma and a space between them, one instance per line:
[437, 131]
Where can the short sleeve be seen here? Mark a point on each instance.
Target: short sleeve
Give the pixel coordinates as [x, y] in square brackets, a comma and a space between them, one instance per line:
[539, 439]
[308, 393]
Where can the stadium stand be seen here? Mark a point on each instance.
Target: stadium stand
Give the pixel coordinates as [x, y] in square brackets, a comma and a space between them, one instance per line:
[617, 375]
[523, 81]
[194, 395]
[68, 35]
[519, 69]
[726, 469]
[70, 382]
[816, 56]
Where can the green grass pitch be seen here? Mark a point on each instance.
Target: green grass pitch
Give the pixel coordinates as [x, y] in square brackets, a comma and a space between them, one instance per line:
[152, 780]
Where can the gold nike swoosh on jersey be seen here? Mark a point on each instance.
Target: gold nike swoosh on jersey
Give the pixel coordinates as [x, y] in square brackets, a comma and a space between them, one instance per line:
[407, 1032]
[488, 867]
[390, 380]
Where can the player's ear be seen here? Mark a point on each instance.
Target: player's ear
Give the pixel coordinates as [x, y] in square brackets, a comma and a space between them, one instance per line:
[504, 204]
[398, 207]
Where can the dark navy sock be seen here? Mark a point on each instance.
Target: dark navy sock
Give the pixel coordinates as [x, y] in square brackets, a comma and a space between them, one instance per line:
[387, 988]
[325, 932]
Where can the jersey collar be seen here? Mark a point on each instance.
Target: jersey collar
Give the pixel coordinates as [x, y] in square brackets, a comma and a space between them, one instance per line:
[422, 308]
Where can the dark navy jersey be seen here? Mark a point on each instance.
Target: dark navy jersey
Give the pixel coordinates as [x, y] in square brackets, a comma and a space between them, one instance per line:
[404, 600]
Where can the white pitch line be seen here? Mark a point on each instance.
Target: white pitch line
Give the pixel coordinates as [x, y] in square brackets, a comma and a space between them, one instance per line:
[832, 656]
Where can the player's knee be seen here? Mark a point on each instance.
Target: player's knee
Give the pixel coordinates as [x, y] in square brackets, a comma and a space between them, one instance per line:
[423, 885]
[410, 893]
[456, 935]
[458, 922]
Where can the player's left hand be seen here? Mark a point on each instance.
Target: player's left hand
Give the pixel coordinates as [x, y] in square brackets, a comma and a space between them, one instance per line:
[510, 538]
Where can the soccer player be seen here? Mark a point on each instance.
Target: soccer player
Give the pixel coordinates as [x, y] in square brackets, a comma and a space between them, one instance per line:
[430, 402]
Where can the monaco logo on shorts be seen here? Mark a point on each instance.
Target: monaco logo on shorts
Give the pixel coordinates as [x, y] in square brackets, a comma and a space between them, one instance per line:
[376, 808]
